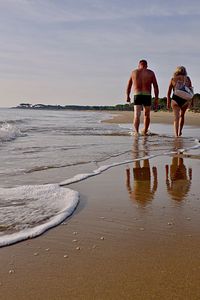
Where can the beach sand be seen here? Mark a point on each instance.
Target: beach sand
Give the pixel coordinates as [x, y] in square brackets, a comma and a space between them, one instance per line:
[120, 243]
[164, 117]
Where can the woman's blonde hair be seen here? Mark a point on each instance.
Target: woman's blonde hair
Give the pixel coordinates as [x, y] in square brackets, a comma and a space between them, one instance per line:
[180, 70]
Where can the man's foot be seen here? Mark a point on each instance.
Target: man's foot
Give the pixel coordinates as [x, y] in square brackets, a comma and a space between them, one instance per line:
[136, 134]
[143, 132]
[133, 133]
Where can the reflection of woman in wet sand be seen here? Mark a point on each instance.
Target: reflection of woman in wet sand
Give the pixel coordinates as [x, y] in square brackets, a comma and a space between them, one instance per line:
[142, 191]
[179, 183]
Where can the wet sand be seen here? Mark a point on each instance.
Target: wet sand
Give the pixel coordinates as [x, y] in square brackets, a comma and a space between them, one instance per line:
[121, 242]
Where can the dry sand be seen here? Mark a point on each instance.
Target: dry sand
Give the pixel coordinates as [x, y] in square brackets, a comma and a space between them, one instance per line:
[117, 245]
[191, 118]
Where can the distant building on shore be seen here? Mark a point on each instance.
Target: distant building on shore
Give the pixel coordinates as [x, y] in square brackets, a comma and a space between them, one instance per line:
[25, 105]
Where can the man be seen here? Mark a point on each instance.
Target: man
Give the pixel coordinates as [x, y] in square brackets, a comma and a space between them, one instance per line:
[142, 80]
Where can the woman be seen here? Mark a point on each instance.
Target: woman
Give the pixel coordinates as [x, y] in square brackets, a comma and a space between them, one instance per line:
[178, 104]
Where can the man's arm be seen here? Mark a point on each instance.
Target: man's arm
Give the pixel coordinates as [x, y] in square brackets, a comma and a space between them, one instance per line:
[156, 91]
[128, 89]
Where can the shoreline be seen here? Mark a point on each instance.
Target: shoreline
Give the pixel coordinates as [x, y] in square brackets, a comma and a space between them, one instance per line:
[162, 117]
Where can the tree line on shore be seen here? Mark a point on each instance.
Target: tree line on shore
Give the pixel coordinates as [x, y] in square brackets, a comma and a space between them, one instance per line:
[119, 107]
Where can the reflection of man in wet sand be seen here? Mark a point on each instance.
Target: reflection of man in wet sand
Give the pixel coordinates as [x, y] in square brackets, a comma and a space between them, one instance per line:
[142, 191]
[179, 183]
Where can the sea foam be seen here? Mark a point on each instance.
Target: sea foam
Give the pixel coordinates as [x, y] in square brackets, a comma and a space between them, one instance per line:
[28, 211]
[9, 132]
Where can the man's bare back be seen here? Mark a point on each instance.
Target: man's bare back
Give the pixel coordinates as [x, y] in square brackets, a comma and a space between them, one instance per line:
[142, 80]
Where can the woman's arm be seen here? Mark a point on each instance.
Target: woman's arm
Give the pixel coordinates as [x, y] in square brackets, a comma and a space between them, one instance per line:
[189, 83]
[169, 94]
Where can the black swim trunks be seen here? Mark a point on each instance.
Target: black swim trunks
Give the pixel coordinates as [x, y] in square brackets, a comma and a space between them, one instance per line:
[180, 101]
[142, 100]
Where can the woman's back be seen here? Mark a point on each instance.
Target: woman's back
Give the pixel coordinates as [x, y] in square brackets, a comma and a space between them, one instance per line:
[182, 79]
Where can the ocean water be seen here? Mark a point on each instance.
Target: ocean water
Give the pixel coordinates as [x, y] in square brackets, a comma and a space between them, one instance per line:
[43, 151]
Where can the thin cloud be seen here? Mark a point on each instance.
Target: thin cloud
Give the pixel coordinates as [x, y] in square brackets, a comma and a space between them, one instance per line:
[46, 11]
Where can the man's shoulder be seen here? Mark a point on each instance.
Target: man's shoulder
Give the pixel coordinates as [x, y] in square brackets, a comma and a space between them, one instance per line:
[146, 71]
[134, 71]
[150, 71]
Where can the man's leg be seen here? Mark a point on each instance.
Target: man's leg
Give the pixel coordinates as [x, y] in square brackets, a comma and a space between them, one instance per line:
[137, 113]
[147, 110]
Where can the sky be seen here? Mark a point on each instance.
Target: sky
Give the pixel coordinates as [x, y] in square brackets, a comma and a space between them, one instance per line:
[82, 52]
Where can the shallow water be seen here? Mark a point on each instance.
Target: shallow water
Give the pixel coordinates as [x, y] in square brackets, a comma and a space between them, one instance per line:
[42, 149]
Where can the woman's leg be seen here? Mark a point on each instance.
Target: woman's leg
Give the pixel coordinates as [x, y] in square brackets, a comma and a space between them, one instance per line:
[182, 119]
[176, 110]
